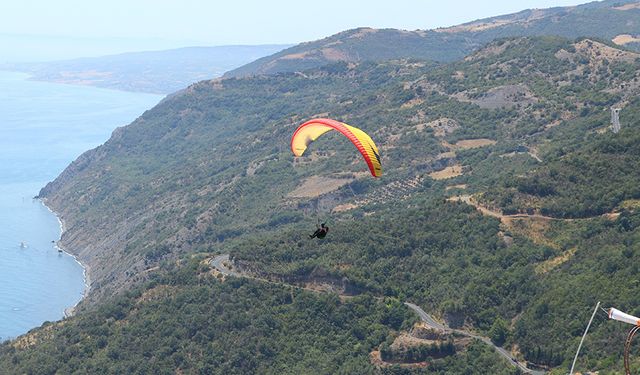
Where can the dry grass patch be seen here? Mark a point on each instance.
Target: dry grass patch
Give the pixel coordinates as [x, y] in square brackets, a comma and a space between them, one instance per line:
[448, 172]
[550, 264]
[475, 26]
[597, 52]
[333, 54]
[612, 216]
[377, 361]
[412, 103]
[630, 204]
[459, 186]
[405, 340]
[532, 228]
[344, 207]
[628, 6]
[466, 144]
[474, 143]
[625, 39]
[362, 32]
[294, 56]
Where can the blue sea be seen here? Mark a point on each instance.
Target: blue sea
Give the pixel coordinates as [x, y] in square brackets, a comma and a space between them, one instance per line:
[43, 127]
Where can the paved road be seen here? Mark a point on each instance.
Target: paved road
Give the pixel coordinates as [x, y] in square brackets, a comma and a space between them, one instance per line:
[218, 262]
[428, 320]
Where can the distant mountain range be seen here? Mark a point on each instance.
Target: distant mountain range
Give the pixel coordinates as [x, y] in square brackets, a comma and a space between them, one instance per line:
[617, 21]
[171, 70]
[160, 72]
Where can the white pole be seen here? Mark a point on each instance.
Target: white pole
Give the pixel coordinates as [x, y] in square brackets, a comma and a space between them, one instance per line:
[583, 336]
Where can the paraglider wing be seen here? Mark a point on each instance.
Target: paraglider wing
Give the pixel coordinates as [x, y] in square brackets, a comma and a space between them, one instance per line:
[313, 129]
[616, 314]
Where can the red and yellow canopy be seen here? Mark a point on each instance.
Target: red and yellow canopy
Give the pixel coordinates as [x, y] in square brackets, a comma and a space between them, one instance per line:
[313, 129]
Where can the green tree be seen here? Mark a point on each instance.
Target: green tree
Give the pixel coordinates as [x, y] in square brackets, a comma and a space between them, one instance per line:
[499, 332]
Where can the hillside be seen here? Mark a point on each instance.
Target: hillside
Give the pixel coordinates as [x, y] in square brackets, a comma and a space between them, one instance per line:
[363, 44]
[228, 331]
[209, 171]
[161, 72]
[614, 20]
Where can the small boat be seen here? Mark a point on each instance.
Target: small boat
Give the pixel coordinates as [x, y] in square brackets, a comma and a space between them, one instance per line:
[23, 245]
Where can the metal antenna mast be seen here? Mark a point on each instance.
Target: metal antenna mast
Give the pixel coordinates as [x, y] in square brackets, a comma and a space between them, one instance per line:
[583, 336]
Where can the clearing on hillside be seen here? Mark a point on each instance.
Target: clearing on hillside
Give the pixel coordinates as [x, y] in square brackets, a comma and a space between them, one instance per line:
[466, 144]
[623, 39]
[448, 172]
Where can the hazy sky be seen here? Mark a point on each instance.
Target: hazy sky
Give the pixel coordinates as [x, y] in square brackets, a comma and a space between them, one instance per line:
[153, 24]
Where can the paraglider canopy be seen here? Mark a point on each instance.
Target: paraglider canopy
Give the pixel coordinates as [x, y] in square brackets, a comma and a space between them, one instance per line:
[313, 129]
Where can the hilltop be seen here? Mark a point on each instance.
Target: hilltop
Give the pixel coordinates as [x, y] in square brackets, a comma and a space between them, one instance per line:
[363, 44]
[611, 20]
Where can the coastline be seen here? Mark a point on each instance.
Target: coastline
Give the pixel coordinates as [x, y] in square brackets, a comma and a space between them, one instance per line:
[96, 84]
[69, 311]
[27, 170]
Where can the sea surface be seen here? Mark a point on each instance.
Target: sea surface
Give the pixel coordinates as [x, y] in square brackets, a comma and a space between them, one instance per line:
[43, 127]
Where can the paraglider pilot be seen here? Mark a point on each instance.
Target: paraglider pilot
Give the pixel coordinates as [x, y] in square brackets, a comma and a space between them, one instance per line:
[321, 232]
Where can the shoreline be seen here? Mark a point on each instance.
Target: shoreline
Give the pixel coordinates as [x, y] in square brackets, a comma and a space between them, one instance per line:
[69, 311]
[31, 76]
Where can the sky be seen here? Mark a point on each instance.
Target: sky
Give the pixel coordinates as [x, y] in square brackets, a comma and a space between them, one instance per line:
[45, 29]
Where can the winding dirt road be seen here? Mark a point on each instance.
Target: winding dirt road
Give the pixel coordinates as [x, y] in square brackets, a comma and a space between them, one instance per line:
[468, 199]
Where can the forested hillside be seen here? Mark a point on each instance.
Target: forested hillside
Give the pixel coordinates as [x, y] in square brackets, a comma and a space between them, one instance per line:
[613, 20]
[235, 327]
[464, 146]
